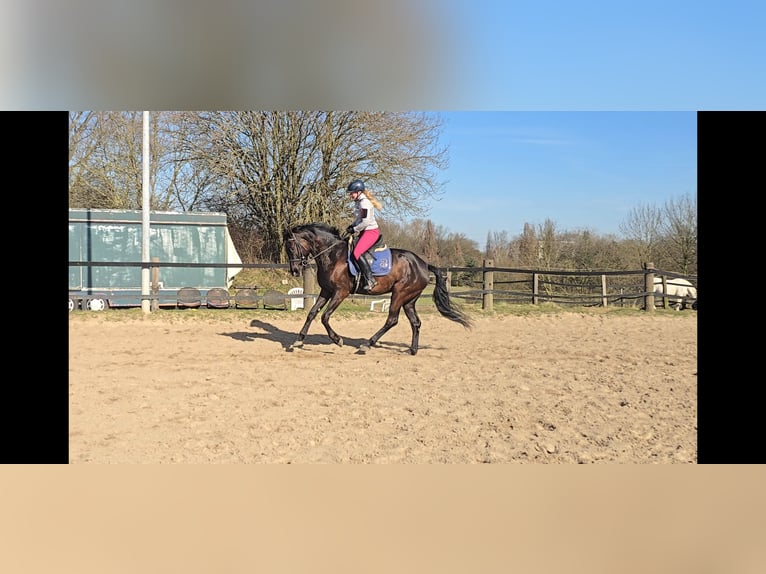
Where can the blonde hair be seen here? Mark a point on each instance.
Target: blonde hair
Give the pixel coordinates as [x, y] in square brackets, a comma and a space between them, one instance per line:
[375, 203]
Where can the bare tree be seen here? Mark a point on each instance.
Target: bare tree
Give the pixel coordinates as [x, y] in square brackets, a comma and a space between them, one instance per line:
[456, 249]
[106, 161]
[266, 170]
[105, 156]
[642, 228]
[548, 246]
[82, 143]
[181, 181]
[523, 250]
[394, 234]
[430, 244]
[680, 231]
[498, 248]
[271, 170]
[547, 250]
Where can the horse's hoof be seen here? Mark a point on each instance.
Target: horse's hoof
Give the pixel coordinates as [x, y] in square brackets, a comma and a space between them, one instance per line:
[363, 349]
[413, 351]
[339, 342]
[297, 345]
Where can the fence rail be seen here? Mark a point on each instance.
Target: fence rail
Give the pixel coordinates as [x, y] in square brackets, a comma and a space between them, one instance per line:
[535, 286]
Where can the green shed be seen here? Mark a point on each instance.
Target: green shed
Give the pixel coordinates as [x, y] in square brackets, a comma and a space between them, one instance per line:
[102, 241]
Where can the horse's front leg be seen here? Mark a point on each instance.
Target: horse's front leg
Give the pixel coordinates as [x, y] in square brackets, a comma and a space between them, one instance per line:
[334, 302]
[320, 302]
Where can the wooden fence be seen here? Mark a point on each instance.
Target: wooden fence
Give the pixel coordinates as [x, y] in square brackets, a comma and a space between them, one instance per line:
[487, 285]
[583, 288]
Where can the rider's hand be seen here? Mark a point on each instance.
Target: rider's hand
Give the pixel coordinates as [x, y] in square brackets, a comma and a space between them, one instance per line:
[350, 230]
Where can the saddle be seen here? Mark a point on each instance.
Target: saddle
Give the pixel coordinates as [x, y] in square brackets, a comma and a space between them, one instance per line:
[378, 256]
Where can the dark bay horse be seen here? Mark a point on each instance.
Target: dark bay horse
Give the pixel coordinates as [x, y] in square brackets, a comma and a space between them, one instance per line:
[405, 281]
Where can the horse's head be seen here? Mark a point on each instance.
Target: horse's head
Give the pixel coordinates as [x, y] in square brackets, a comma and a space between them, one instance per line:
[304, 243]
[298, 251]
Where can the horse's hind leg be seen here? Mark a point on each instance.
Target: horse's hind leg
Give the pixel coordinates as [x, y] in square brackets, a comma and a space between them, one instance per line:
[391, 321]
[412, 315]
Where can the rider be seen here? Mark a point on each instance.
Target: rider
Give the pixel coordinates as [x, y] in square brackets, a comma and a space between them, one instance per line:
[364, 221]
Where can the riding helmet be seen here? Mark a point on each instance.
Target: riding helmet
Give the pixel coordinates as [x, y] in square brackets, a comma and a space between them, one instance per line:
[356, 185]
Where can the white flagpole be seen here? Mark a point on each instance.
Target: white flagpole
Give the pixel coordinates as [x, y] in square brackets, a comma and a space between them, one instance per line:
[145, 256]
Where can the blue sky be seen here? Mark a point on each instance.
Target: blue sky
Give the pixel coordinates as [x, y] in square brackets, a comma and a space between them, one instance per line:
[522, 55]
[582, 170]
[608, 55]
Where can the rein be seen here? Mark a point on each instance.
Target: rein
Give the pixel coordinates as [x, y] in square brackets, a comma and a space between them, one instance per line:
[304, 259]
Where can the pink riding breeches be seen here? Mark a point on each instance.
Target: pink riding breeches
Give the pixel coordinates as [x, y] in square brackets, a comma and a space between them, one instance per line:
[366, 240]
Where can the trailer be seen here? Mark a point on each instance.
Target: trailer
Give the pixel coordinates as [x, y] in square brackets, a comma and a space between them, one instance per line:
[105, 257]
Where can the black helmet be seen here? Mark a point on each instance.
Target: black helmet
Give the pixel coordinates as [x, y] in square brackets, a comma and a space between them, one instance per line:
[356, 185]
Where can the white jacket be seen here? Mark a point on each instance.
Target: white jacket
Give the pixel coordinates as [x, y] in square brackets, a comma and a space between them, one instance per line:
[364, 214]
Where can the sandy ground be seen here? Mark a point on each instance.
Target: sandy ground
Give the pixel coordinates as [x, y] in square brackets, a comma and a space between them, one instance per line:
[562, 388]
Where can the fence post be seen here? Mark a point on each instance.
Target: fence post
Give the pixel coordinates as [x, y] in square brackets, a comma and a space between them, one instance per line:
[449, 281]
[154, 304]
[487, 299]
[309, 285]
[603, 291]
[649, 286]
[535, 288]
[665, 299]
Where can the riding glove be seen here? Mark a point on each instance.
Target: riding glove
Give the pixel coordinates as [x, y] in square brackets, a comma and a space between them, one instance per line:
[350, 230]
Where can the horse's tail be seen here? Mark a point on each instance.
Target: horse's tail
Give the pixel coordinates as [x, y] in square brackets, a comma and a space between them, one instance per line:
[442, 300]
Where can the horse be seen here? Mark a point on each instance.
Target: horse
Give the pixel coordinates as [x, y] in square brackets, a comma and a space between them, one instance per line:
[406, 277]
[678, 291]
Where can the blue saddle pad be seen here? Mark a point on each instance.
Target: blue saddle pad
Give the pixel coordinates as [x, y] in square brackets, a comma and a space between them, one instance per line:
[381, 261]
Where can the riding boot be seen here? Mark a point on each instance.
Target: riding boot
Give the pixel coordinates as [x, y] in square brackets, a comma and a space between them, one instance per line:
[368, 278]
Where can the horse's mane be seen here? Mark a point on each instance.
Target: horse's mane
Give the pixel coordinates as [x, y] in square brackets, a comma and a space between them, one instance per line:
[314, 228]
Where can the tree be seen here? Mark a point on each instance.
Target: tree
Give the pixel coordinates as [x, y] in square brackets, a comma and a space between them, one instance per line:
[524, 251]
[680, 231]
[642, 228]
[430, 247]
[548, 247]
[497, 248]
[272, 170]
[266, 170]
[82, 144]
[457, 249]
[106, 161]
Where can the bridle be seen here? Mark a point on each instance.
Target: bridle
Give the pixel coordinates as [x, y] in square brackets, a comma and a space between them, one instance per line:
[306, 258]
[303, 258]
